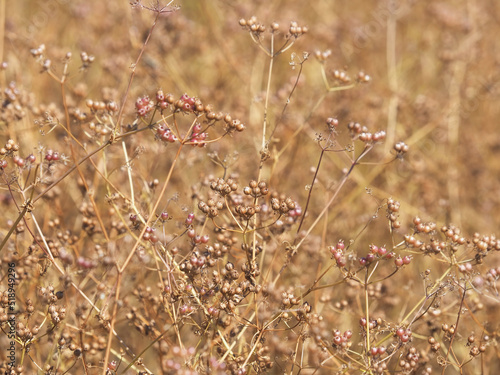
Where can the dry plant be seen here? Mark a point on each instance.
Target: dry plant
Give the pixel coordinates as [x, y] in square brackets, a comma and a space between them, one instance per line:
[194, 194]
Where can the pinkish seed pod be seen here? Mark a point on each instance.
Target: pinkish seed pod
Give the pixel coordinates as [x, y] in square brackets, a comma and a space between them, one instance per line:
[189, 219]
[201, 262]
[112, 106]
[19, 162]
[331, 121]
[191, 101]
[390, 255]
[165, 136]
[382, 251]
[142, 112]
[213, 311]
[341, 262]
[370, 258]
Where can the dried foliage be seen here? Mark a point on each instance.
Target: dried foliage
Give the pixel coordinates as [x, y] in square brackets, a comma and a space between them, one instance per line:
[247, 187]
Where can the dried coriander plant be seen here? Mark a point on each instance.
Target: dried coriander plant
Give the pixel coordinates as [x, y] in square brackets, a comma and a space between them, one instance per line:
[243, 220]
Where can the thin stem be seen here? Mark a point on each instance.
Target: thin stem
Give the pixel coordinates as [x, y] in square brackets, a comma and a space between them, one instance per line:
[268, 90]
[129, 173]
[311, 189]
[299, 74]
[131, 78]
[367, 317]
[458, 76]
[153, 210]
[393, 81]
[14, 225]
[456, 325]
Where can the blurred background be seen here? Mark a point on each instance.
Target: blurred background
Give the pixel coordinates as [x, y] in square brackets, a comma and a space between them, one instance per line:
[434, 84]
[433, 68]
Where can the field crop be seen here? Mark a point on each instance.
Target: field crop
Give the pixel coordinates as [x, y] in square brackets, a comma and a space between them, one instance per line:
[249, 187]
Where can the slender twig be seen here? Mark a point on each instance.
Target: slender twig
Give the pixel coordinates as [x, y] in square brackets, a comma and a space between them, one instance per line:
[459, 314]
[311, 189]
